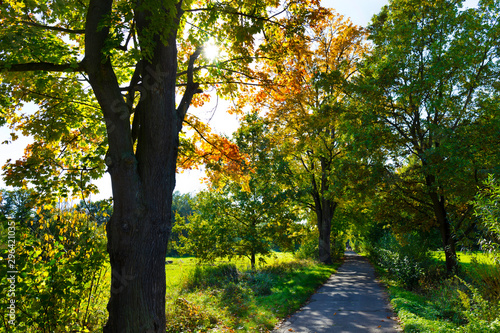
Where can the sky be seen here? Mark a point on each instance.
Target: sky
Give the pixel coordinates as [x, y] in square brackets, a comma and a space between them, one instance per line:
[359, 11]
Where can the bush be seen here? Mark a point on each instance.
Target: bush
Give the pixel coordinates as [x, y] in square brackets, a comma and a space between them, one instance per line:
[260, 283]
[62, 267]
[188, 317]
[235, 297]
[487, 208]
[446, 301]
[482, 315]
[309, 246]
[486, 277]
[203, 277]
[404, 260]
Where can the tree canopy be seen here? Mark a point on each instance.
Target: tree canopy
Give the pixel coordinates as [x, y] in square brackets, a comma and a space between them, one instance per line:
[429, 90]
[113, 81]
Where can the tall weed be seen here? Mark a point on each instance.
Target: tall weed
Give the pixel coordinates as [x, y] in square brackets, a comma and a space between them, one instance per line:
[486, 277]
[482, 315]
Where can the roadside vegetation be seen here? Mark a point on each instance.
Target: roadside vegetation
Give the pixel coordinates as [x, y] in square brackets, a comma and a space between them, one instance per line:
[230, 297]
[425, 297]
[466, 302]
[64, 280]
[428, 299]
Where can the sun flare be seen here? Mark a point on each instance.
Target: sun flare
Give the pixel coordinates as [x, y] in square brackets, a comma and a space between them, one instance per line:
[211, 51]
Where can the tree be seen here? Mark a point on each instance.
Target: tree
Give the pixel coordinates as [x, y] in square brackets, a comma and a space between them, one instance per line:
[17, 205]
[487, 208]
[182, 211]
[430, 98]
[99, 211]
[305, 106]
[105, 75]
[248, 215]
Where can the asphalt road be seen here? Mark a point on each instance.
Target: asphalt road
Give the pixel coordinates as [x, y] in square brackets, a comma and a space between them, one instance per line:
[350, 301]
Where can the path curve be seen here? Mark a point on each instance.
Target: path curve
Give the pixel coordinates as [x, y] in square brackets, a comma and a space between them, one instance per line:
[350, 301]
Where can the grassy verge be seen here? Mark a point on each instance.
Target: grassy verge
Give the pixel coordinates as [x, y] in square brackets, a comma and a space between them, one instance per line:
[228, 297]
[465, 303]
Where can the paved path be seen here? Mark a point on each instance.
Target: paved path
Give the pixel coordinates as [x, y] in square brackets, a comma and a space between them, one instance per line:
[350, 301]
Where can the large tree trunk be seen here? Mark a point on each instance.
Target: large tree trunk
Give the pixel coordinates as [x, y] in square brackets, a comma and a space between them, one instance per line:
[252, 260]
[142, 179]
[446, 234]
[438, 204]
[324, 216]
[324, 209]
[137, 239]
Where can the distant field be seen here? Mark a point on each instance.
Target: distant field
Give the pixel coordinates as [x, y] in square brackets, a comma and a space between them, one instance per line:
[254, 303]
[180, 267]
[467, 259]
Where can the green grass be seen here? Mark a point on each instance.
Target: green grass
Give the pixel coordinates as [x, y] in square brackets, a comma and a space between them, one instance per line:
[256, 302]
[454, 304]
[467, 258]
[418, 313]
[180, 268]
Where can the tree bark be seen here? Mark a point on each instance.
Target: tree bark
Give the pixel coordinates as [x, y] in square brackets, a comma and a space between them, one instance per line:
[324, 216]
[324, 209]
[142, 180]
[438, 204]
[252, 260]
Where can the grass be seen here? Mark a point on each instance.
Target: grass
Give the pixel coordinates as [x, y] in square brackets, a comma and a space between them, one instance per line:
[200, 298]
[458, 304]
[229, 296]
[467, 258]
[179, 268]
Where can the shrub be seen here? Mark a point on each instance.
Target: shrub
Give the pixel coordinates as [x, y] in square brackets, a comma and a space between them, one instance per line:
[404, 260]
[487, 208]
[235, 297]
[482, 315]
[203, 277]
[61, 269]
[260, 283]
[309, 246]
[487, 278]
[446, 301]
[188, 317]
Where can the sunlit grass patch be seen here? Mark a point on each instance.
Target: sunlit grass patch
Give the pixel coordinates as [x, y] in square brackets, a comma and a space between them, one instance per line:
[446, 304]
[212, 299]
[467, 257]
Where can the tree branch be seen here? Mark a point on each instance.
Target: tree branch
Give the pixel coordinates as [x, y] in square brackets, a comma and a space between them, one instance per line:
[42, 66]
[192, 88]
[60, 29]
[221, 10]
[208, 141]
